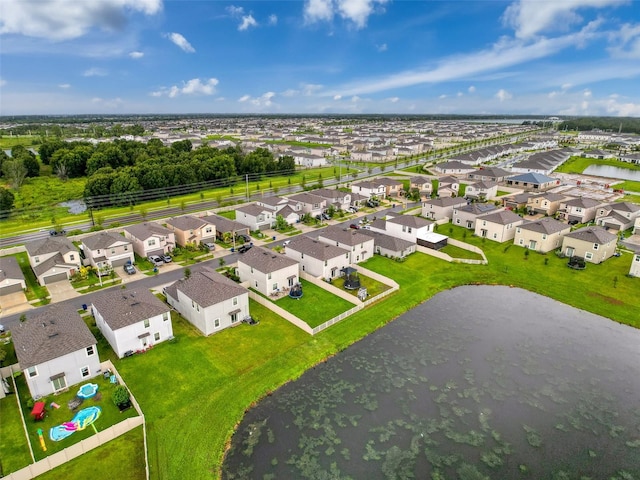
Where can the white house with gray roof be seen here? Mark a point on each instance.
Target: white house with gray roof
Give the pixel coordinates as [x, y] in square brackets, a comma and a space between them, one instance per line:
[55, 349]
[132, 320]
[11, 276]
[634, 271]
[360, 246]
[498, 226]
[309, 203]
[53, 259]
[150, 238]
[389, 245]
[256, 217]
[441, 208]
[581, 210]
[317, 258]
[369, 188]
[267, 271]
[406, 227]
[485, 189]
[209, 300]
[542, 235]
[594, 244]
[617, 216]
[107, 250]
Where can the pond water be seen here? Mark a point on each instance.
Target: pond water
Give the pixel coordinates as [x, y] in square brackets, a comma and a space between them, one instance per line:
[612, 172]
[481, 382]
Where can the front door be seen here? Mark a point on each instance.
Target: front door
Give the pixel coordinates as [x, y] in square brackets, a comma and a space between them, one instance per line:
[59, 383]
[532, 244]
[570, 251]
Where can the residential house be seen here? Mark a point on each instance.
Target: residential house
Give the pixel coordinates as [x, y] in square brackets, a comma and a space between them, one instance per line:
[11, 276]
[53, 259]
[388, 245]
[493, 174]
[256, 217]
[532, 181]
[190, 230]
[273, 202]
[406, 227]
[422, 184]
[542, 235]
[55, 349]
[617, 216]
[441, 208]
[466, 215]
[547, 203]
[578, 210]
[339, 199]
[209, 300]
[454, 167]
[498, 226]
[360, 246]
[226, 228]
[594, 244]
[636, 227]
[320, 259]
[107, 250]
[150, 238]
[132, 320]
[599, 154]
[369, 188]
[484, 189]
[392, 188]
[448, 187]
[267, 271]
[310, 204]
[516, 201]
[634, 271]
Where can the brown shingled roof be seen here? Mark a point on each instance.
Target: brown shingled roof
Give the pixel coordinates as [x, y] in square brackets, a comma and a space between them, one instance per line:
[121, 308]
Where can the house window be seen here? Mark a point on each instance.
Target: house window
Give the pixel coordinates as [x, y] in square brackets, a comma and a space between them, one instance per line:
[251, 269]
[544, 237]
[207, 230]
[325, 263]
[126, 248]
[269, 276]
[59, 383]
[521, 242]
[275, 286]
[235, 300]
[302, 255]
[72, 257]
[113, 251]
[165, 316]
[518, 230]
[404, 228]
[146, 323]
[588, 255]
[458, 221]
[156, 336]
[595, 246]
[84, 371]
[32, 372]
[484, 223]
[152, 242]
[90, 350]
[256, 284]
[36, 259]
[495, 235]
[216, 323]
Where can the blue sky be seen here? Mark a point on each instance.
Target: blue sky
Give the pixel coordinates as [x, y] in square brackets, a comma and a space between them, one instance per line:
[560, 57]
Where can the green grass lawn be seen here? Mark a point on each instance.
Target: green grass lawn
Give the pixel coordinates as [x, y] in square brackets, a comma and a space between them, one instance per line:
[316, 306]
[579, 164]
[34, 289]
[501, 193]
[457, 252]
[628, 185]
[14, 450]
[373, 287]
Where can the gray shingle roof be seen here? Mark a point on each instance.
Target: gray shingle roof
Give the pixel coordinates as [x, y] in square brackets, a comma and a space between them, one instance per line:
[266, 261]
[9, 269]
[50, 333]
[583, 202]
[224, 225]
[592, 235]
[410, 221]
[186, 222]
[145, 230]
[387, 241]
[306, 197]
[446, 201]
[478, 208]
[546, 225]
[532, 177]
[121, 308]
[49, 263]
[50, 245]
[315, 249]
[504, 217]
[346, 236]
[206, 287]
[253, 209]
[103, 240]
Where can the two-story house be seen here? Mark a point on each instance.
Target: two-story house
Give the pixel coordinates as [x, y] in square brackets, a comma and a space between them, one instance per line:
[498, 226]
[53, 259]
[339, 199]
[209, 300]
[107, 250]
[369, 188]
[225, 227]
[594, 244]
[319, 259]
[448, 187]
[11, 276]
[310, 204]
[542, 235]
[634, 270]
[466, 215]
[392, 188]
[406, 227]
[484, 189]
[267, 271]
[617, 216]
[256, 217]
[132, 320]
[190, 230]
[150, 238]
[422, 184]
[360, 246]
[578, 210]
[441, 208]
[547, 203]
[55, 349]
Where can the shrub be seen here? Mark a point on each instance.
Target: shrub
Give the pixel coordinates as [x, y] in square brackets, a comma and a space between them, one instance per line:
[120, 395]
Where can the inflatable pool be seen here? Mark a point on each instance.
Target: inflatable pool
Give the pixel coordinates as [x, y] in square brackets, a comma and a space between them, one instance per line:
[87, 390]
[80, 421]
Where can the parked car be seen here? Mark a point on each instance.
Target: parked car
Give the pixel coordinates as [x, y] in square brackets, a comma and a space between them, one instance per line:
[244, 237]
[130, 269]
[155, 260]
[2, 330]
[354, 226]
[210, 246]
[245, 248]
[573, 222]
[55, 233]
[167, 259]
[286, 242]
[326, 217]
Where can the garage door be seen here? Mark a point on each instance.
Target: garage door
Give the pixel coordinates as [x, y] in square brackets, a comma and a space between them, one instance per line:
[15, 288]
[155, 252]
[55, 278]
[119, 262]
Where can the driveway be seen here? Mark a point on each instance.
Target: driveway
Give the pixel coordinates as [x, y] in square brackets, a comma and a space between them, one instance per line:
[13, 303]
[60, 291]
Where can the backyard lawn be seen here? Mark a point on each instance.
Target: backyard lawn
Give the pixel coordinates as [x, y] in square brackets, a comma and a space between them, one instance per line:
[316, 306]
[14, 450]
[373, 287]
[457, 252]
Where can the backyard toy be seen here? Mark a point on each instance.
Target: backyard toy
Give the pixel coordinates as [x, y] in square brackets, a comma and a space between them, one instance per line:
[296, 291]
[38, 412]
[80, 421]
[54, 405]
[351, 279]
[41, 437]
[87, 390]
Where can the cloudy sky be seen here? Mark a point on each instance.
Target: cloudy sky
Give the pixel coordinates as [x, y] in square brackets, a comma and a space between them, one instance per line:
[556, 57]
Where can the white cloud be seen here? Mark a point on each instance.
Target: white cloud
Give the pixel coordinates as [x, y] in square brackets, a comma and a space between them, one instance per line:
[337, 97]
[64, 85]
[3, 82]
[393, 99]
[244, 98]
[195, 86]
[136, 55]
[532, 17]
[181, 42]
[503, 95]
[290, 93]
[382, 48]
[95, 72]
[109, 103]
[471, 89]
[587, 93]
[626, 42]
[247, 22]
[235, 11]
[566, 86]
[459, 94]
[64, 20]
[442, 97]
[628, 109]
[354, 11]
[355, 99]
[264, 100]
[273, 19]
[310, 88]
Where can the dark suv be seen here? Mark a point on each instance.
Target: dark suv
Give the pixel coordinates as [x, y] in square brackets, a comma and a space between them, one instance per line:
[244, 248]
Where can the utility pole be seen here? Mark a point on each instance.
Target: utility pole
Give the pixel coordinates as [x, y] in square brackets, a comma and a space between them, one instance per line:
[247, 184]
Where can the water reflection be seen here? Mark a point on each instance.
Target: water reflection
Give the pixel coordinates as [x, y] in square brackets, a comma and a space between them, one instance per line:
[612, 172]
[479, 382]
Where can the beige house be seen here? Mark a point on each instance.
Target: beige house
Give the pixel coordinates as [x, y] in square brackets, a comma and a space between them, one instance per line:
[636, 227]
[441, 208]
[498, 226]
[316, 258]
[466, 215]
[580, 210]
[360, 246]
[191, 230]
[256, 217]
[594, 244]
[634, 271]
[107, 250]
[617, 216]
[150, 239]
[422, 184]
[547, 203]
[448, 187]
[11, 276]
[484, 189]
[543, 235]
[266, 271]
[53, 259]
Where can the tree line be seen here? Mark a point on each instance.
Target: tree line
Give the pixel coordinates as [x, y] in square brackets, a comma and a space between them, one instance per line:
[606, 124]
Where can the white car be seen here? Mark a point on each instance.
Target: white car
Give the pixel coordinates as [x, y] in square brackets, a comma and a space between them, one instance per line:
[286, 242]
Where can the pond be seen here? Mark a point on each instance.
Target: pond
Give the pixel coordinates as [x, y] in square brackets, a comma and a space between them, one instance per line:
[479, 382]
[612, 172]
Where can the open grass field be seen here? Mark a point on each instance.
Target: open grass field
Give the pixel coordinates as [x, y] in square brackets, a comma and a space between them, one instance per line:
[579, 164]
[457, 252]
[629, 186]
[6, 142]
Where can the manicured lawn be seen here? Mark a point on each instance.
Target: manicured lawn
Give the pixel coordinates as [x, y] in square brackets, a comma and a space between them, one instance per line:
[14, 450]
[373, 287]
[34, 289]
[316, 305]
[501, 193]
[120, 458]
[579, 164]
[110, 415]
[628, 185]
[230, 214]
[457, 252]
